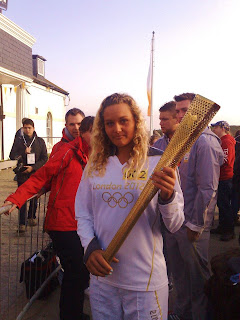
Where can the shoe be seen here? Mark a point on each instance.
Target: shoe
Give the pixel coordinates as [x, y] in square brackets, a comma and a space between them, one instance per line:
[218, 230]
[227, 236]
[32, 222]
[21, 228]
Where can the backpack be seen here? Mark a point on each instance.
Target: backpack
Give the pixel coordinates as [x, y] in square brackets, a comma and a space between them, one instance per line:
[222, 293]
[36, 269]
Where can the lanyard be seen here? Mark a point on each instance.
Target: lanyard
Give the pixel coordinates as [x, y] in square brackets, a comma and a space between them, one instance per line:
[25, 142]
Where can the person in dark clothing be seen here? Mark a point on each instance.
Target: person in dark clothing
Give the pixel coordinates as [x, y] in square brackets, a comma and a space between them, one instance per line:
[19, 133]
[31, 153]
[236, 180]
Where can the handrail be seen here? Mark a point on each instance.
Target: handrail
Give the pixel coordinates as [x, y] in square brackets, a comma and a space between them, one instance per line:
[5, 209]
[51, 137]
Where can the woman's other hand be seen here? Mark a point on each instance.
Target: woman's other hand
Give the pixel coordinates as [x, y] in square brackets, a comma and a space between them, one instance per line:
[97, 265]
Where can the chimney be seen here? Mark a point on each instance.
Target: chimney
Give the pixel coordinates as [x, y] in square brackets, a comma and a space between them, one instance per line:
[38, 66]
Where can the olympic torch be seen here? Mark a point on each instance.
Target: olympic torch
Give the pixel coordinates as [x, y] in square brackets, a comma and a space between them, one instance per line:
[198, 116]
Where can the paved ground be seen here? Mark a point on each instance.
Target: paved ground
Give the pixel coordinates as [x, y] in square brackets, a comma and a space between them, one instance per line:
[48, 309]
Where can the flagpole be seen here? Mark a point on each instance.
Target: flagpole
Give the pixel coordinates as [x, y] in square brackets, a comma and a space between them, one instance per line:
[152, 63]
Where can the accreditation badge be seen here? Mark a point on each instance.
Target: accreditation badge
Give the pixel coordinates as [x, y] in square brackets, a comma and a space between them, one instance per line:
[31, 158]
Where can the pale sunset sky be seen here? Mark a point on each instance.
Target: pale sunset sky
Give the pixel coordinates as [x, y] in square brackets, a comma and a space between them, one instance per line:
[97, 47]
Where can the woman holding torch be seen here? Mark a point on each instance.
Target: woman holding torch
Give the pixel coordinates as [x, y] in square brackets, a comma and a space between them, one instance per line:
[135, 285]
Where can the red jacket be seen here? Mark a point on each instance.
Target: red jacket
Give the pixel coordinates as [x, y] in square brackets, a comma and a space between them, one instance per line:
[57, 146]
[63, 172]
[228, 146]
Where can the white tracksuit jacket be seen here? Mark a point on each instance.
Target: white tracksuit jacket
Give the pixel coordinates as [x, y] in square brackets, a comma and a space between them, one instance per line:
[102, 204]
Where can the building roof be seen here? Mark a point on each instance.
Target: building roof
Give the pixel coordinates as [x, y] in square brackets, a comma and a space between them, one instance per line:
[48, 84]
[38, 56]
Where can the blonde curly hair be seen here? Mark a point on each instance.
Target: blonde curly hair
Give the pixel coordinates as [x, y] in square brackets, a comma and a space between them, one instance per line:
[103, 148]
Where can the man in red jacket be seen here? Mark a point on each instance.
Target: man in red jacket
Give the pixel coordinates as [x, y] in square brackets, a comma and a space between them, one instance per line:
[73, 119]
[226, 216]
[63, 173]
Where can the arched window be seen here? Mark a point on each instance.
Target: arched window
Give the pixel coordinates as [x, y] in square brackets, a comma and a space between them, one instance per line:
[49, 128]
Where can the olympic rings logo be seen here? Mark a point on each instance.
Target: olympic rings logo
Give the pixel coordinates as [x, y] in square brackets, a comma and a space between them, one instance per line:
[118, 199]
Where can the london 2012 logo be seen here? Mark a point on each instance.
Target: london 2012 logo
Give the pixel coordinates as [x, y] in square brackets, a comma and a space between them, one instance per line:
[117, 199]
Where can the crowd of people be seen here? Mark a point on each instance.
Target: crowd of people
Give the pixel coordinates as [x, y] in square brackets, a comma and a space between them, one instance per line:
[95, 175]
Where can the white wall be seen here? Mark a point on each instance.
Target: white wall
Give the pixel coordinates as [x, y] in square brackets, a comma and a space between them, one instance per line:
[46, 101]
[38, 97]
[9, 123]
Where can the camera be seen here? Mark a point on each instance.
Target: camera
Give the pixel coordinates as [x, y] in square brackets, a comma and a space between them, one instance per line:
[20, 166]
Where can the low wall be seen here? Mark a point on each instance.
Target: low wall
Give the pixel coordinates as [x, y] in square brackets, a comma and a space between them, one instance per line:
[7, 164]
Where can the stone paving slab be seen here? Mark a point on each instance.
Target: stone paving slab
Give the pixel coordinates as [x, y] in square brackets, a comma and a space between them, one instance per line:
[49, 310]
[7, 164]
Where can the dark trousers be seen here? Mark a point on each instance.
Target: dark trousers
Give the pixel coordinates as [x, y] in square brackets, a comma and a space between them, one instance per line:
[235, 201]
[31, 210]
[68, 247]
[226, 216]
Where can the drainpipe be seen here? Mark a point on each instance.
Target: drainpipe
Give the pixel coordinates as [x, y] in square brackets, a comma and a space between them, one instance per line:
[2, 117]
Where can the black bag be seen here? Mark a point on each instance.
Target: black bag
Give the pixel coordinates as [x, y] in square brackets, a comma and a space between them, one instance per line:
[222, 293]
[36, 269]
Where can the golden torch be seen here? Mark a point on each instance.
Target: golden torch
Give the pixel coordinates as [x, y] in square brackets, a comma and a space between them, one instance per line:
[199, 114]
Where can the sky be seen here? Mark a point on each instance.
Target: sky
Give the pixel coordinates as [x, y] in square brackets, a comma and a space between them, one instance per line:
[97, 47]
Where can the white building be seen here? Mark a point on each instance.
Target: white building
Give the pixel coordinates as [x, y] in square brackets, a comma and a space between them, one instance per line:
[24, 91]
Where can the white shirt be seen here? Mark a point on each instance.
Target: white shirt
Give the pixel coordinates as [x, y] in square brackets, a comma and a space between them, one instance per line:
[102, 204]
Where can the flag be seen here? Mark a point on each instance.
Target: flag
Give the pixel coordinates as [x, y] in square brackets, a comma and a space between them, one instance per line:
[149, 86]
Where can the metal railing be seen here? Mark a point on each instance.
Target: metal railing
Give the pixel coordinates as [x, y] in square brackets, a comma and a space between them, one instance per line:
[50, 142]
[23, 256]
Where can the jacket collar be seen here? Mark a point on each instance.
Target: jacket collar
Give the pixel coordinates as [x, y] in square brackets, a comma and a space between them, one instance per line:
[27, 138]
[66, 135]
[80, 148]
